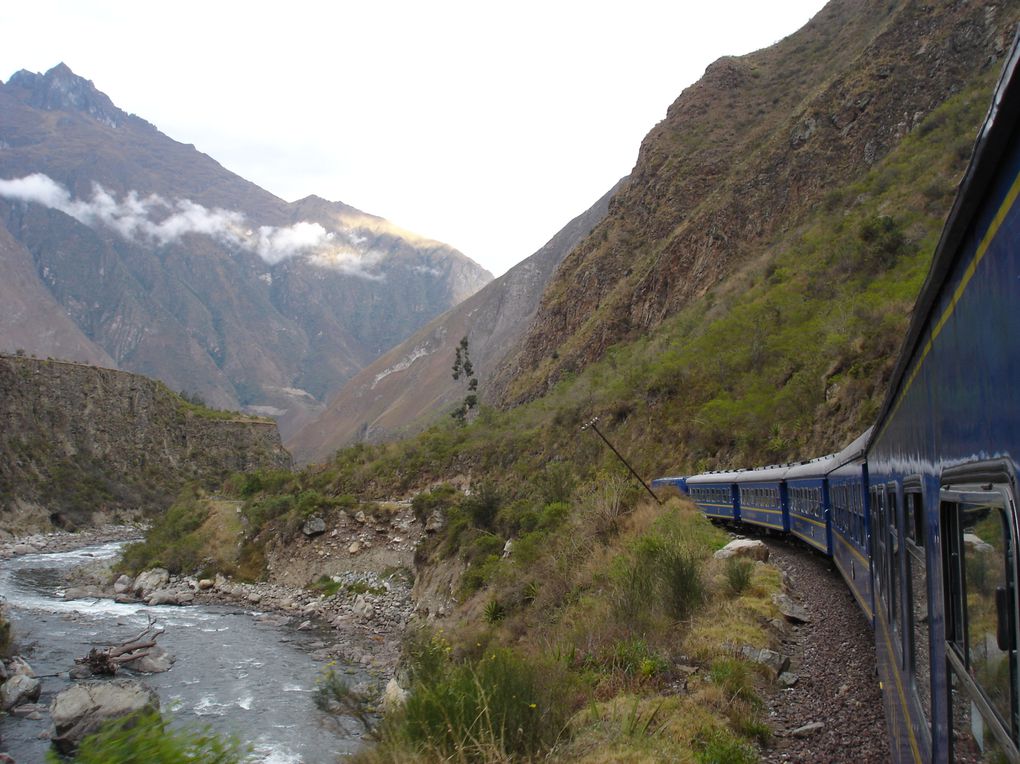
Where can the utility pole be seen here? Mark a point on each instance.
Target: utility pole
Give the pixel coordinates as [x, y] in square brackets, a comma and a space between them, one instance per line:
[593, 425]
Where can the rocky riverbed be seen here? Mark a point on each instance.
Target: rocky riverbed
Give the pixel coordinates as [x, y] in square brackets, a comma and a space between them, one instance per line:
[353, 619]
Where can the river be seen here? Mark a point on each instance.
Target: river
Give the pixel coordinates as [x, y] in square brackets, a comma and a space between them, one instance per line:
[240, 676]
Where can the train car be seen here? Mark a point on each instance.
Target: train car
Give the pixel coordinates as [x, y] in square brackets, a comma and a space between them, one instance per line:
[942, 474]
[762, 498]
[715, 494]
[851, 528]
[807, 490]
[677, 482]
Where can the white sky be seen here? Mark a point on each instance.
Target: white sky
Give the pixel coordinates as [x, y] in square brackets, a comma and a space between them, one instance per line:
[486, 126]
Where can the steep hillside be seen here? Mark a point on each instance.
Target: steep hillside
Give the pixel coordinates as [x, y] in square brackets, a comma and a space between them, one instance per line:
[410, 385]
[741, 159]
[172, 266]
[80, 444]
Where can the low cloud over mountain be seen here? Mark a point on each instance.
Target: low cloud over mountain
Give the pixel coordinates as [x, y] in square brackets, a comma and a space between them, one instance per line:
[153, 219]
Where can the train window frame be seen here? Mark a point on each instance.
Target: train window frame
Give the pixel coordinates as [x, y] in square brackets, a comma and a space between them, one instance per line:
[895, 574]
[989, 484]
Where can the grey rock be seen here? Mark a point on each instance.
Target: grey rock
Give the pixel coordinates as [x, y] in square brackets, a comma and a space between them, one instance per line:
[790, 609]
[808, 729]
[163, 597]
[156, 661]
[786, 679]
[435, 522]
[19, 665]
[150, 580]
[80, 592]
[20, 549]
[314, 526]
[82, 708]
[122, 584]
[752, 549]
[363, 608]
[205, 584]
[18, 690]
[775, 661]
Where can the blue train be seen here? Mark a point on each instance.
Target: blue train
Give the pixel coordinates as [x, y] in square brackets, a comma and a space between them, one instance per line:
[919, 513]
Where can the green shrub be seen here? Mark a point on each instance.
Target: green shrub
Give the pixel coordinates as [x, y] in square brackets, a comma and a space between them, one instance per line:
[483, 505]
[145, 737]
[633, 657]
[722, 748]
[171, 542]
[738, 575]
[659, 575]
[736, 678]
[498, 706]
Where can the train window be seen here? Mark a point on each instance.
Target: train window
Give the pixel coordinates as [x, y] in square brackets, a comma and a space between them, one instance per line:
[889, 509]
[980, 574]
[917, 596]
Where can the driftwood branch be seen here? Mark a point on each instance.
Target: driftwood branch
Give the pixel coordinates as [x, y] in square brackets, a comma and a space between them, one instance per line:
[106, 661]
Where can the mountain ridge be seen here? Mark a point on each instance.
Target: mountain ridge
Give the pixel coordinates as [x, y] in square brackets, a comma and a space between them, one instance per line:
[171, 266]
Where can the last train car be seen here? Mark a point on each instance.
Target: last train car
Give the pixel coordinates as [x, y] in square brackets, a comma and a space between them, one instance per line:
[715, 495]
[943, 477]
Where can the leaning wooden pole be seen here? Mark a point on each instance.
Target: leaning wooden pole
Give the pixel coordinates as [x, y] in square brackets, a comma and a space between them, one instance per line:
[593, 425]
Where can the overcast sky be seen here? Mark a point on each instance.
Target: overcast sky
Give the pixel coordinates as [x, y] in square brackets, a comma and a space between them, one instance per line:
[486, 126]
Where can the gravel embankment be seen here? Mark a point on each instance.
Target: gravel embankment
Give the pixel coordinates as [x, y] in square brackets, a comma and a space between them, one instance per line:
[833, 657]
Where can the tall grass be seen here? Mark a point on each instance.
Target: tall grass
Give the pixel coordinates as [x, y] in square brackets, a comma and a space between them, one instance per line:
[496, 707]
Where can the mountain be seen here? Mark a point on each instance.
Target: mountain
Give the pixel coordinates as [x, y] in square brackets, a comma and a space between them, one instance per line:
[127, 248]
[740, 160]
[411, 384]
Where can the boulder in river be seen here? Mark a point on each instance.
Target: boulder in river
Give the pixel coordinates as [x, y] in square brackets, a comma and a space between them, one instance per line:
[122, 584]
[163, 597]
[18, 690]
[155, 660]
[82, 708]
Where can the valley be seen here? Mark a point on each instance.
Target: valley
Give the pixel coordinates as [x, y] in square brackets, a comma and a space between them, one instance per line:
[740, 298]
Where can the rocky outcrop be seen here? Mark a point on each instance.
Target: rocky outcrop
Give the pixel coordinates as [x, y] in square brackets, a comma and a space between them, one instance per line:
[79, 444]
[83, 708]
[742, 157]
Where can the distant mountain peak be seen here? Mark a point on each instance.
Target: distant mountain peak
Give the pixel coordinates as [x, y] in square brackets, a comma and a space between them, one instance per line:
[60, 89]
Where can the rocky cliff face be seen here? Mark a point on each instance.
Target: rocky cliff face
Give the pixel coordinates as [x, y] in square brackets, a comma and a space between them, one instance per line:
[411, 384]
[80, 444]
[134, 250]
[739, 160]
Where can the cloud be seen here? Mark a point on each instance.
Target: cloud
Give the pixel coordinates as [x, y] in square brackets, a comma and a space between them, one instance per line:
[276, 244]
[154, 219]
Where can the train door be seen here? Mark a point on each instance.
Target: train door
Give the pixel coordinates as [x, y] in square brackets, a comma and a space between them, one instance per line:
[978, 525]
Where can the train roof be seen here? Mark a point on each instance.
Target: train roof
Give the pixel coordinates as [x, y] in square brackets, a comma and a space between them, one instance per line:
[992, 143]
[823, 465]
[773, 473]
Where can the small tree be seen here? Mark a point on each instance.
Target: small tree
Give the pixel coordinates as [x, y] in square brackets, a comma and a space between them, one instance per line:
[462, 367]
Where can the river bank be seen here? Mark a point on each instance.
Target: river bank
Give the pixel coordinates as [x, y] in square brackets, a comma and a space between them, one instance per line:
[353, 626]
